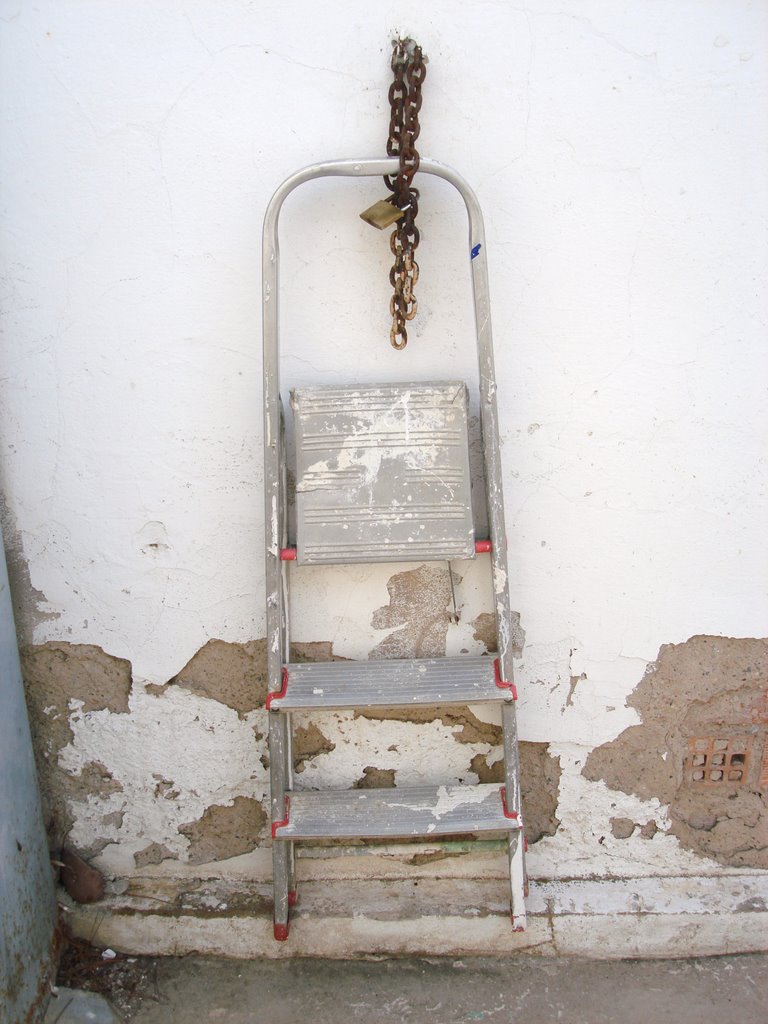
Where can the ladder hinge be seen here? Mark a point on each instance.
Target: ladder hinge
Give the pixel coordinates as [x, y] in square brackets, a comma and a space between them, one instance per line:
[287, 554]
[501, 683]
[281, 824]
[483, 546]
[507, 812]
[278, 693]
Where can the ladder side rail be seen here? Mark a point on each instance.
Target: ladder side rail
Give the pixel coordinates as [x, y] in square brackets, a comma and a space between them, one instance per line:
[289, 852]
[491, 452]
[489, 427]
[487, 386]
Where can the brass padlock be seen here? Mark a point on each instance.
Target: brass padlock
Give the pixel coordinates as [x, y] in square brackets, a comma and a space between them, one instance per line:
[382, 214]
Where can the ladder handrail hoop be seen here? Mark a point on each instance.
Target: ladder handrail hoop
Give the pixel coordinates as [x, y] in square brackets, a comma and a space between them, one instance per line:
[487, 380]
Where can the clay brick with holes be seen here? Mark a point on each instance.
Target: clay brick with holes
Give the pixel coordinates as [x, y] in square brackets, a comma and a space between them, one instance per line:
[718, 761]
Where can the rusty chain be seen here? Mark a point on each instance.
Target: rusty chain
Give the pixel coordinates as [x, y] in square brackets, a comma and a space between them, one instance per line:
[409, 68]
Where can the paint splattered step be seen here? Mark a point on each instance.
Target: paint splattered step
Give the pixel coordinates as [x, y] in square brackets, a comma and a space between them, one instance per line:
[395, 813]
[382, 473]
[391, 683]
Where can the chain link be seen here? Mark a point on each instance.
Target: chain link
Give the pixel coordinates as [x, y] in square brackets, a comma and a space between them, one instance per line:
[409, 70]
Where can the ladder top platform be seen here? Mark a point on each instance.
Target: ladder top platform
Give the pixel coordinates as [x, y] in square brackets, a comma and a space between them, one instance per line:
[382, 473]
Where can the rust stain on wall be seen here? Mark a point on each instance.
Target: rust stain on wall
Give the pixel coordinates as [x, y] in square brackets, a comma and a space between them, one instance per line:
[707, 694]
[55, 674]
[225, 831]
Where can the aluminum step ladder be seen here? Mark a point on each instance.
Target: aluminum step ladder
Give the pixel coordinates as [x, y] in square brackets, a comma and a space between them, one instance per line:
[382, 475]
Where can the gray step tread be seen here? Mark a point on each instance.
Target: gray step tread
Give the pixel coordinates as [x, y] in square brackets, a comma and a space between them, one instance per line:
[395, 813]
[396, 683]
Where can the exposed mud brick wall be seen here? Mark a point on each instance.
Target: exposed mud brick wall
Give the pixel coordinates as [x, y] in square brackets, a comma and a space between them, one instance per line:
[235, 674]
[539, 781]
[418, 607]
[101, 794]
[701, 747]
[224, 832]
[154, 743]
[61, 680]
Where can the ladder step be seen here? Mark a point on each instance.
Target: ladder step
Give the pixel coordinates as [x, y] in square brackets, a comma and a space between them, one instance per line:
[382, 473]
[373, 684]
[395, 813]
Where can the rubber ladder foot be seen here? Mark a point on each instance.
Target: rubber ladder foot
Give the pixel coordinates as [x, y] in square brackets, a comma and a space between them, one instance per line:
[293, 897]
[281, 932]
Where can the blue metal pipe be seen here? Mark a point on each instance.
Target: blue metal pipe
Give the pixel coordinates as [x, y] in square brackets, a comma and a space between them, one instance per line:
[27, 897]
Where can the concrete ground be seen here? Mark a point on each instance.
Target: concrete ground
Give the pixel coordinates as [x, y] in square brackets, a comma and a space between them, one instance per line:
[446, 991]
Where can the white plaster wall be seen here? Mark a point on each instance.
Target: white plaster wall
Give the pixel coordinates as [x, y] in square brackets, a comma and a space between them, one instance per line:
[619, 153]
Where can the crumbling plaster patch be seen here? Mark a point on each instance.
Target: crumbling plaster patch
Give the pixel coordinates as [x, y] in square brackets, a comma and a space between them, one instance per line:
[135, 769]
[123, 765]
[62, 681]
[176, 756]
[140, 773]
[376, 778]
[309, 742]
[539, 781]
[149, 772]
[234, 674]
[225, 831]
[192, 744]
[154, 853]
[417, 614]
[713, 687]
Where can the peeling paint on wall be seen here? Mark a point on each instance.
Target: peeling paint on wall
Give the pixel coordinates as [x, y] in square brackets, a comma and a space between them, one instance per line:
[539, 781]
[466, 726]
[417, 613]
[235, 674]
[125, 766]
[485, 632]
[698, 701]
[309, 742]
[225, 831]
[376, 778]
[60, 678]
[155, 853]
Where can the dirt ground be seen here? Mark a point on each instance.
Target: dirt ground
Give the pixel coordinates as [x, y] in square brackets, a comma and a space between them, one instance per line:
[147, 990]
